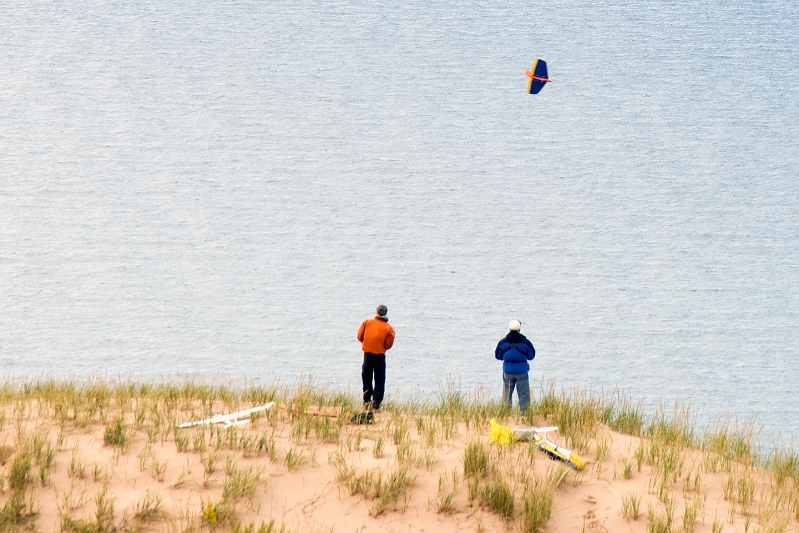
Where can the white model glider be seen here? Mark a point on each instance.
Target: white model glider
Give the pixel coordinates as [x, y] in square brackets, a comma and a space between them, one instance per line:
[233, 419]
[530, 433]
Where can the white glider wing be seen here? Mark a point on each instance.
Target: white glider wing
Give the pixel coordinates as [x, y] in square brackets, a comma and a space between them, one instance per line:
[233, 419]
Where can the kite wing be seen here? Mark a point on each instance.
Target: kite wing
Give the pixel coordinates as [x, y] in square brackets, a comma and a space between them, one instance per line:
[538, 76]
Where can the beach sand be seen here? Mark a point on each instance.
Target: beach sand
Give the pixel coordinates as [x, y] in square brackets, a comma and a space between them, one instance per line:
[133, 470]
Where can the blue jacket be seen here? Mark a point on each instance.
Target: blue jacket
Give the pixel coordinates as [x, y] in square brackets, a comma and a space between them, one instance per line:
[515, 350]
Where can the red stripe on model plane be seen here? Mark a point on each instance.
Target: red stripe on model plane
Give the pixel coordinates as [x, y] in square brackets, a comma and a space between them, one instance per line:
[539, 78]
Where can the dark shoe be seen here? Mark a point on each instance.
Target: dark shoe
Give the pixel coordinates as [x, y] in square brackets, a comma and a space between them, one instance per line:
[362, 418]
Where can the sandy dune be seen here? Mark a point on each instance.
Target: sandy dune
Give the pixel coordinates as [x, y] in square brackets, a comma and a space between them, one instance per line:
[301, 471]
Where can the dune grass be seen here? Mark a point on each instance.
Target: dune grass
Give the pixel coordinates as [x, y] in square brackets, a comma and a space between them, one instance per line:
[142, 417]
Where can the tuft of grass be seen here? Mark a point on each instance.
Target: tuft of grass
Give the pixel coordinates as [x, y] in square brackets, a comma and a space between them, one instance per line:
[639, 453]
[693, 484]
[198, 441]
[400, 434]
[103, 518]
[209, 463]
[117, 433]
[745, 491]
[536, 506]
[603, 448]
[739, 490]
[689, 516]
[182, 441]
[676, 431]
[476, 459]
[294, 459]
[77, 468]
[148, 507]
[576, 415]
[784, 466]
[98, 473]
[19, 476]
[230, 465]
[498, 497]
[248, 445]
[779, 525]
[241, 484]
[104, 514]
[626, 418]
[327, 429]
[267, 444]
[631, 505]
[445, 497]
[660, 522]
[159, 467]
[627, 472]
[144, 457]
[301, 429]
[385, 487]
[209, 467]
[667, 463]
[18, 510]
[394, 488]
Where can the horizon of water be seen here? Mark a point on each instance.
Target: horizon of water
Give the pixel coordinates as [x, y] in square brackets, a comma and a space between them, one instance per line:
[226, 190]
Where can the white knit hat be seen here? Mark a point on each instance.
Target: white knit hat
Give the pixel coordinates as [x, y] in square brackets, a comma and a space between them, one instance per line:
[515, 325]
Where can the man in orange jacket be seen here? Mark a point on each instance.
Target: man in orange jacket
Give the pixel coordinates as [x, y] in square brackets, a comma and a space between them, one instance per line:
[376, 337]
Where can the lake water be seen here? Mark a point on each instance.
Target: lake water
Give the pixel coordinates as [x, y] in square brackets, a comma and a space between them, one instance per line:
[227, 189]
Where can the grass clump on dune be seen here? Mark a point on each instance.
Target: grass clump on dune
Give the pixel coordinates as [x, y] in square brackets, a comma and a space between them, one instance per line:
[116, 433]
[536, 505]
[385, 487]
[476, 460]
[498, 497]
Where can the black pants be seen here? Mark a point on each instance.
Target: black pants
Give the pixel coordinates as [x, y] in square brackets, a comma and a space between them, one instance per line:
[373, 365]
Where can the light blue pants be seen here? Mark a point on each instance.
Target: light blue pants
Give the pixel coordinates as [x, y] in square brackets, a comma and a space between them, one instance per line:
[521, 383]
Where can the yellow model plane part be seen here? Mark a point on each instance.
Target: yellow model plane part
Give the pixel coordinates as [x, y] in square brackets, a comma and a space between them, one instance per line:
[505, 435]
[500, 434]
[560, 454]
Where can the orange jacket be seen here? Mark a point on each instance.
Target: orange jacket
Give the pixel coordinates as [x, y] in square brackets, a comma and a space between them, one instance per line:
[376, 335]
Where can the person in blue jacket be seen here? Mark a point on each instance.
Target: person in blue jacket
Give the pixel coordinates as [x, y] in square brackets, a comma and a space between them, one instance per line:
[514, 351]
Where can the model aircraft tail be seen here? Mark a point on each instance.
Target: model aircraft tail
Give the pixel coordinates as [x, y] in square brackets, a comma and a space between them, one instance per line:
[538, 76]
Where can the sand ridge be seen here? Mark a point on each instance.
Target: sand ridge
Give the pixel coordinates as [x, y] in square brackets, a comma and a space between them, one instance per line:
[131, 469]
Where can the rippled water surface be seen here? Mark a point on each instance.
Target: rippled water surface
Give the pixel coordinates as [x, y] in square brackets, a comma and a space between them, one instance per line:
[229, 188]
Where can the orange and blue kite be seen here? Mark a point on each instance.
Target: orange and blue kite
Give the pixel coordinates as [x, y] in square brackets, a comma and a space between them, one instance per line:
[538, 76]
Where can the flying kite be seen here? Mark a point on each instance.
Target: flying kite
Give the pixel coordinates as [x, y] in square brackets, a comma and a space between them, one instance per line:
[538, 76]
